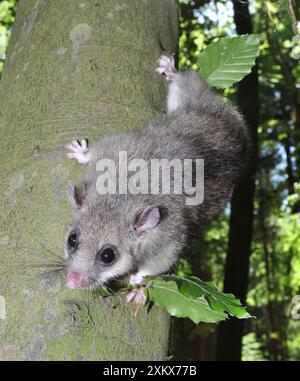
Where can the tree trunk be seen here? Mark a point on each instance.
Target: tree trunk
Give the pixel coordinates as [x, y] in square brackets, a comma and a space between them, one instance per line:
[289, 165]
[230, 333]
[75, 69]
[296, 207]
[297, 129]
[273, 332]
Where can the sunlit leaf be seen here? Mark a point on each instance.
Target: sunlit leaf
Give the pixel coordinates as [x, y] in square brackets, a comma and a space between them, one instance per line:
[228, 60]
[191, 298]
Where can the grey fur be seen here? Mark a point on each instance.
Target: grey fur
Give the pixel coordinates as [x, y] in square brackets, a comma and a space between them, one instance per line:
[201, 126]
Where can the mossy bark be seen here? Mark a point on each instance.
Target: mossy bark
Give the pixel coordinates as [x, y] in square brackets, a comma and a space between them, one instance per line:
[74, 69]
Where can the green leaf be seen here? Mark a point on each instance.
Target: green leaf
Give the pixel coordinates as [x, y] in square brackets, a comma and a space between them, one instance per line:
[101, 292]
[228, 60]
[190, 297]
[218, 301]
[165, 293]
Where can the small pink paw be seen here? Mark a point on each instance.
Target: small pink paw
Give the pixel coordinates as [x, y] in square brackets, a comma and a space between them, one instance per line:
[136, 294]
[79, 151]
[166, 67]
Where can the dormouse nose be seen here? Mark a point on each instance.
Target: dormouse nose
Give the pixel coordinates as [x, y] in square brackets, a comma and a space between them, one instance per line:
[76, 280]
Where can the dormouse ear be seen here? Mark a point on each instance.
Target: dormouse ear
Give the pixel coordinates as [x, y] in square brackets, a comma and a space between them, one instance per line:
[75, 194]
[147, 219]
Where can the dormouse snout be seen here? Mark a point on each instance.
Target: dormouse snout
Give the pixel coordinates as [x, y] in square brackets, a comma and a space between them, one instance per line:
[76, 280]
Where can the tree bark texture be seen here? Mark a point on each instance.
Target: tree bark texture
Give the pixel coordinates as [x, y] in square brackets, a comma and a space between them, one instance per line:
[75, 69]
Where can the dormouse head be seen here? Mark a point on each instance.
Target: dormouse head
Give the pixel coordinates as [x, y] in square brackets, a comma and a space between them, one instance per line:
[104, 237]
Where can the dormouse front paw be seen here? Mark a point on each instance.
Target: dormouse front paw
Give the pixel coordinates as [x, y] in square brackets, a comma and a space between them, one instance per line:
[166, 66]
[136, 294]
[79, 151]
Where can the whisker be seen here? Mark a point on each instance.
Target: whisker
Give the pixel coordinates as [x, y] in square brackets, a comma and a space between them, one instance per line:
[43, 246]
[115, 293]
[46, 275]
[27, 263]
[50, 251]
[51, 260]
[34, 265]
[40, 271]
[93, 287]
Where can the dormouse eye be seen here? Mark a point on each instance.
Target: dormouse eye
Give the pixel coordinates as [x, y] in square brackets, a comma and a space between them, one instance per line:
[73, 241]
[107, 255]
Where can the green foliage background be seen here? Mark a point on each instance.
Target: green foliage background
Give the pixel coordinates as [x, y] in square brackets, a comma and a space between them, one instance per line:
[274, 279]
[7, 16]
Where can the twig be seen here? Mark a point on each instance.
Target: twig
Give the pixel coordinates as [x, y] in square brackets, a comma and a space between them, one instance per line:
[292, 15]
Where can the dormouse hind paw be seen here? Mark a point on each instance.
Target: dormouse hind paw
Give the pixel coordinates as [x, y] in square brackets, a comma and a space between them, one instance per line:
[79, 151]
[166, 66]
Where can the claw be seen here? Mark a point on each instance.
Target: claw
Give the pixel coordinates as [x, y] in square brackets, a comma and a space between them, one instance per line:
[131, 295]
[140, 300]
